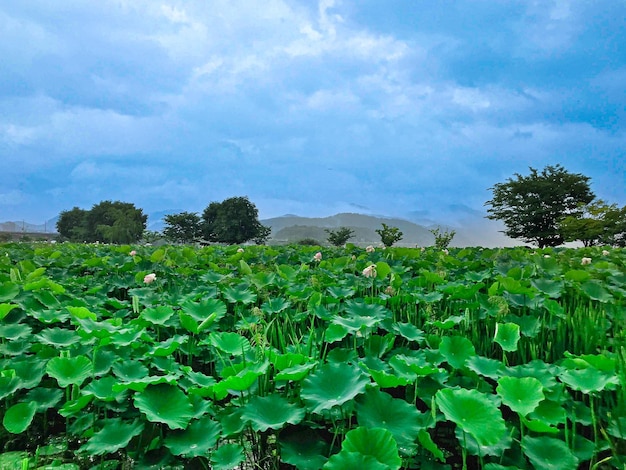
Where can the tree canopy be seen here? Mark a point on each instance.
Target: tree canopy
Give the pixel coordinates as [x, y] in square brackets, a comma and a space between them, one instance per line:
[340, 236]
[532, 207]
[598, 223]
[234, 220]
[184, 227]
[107, 221]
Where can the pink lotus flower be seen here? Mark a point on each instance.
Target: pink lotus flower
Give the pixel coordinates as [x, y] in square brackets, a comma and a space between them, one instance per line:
[369, 249]
[148, 278]
[318, 256]
[585, 261]
[370, 271]
[133, 253]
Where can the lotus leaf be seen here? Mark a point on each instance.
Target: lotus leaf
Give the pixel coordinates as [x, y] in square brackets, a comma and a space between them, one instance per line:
[332, 384]
[44, 398]
[240, 294]
[275, 305]
[271, 412]
[230, 343]
[15, 331]
[303, 449]
[588, 380]
[373, 448]
[18, 418]
[227, 457]
[163, 403]
[521, 395]
[456, 350]
[507, 336]
[596, 291]
[473, 412]
[158, 315]
[5, 309]
[69, 370]
[58, 337]
[114, 435]
[549, 453]
[377, 409]
[197, 440]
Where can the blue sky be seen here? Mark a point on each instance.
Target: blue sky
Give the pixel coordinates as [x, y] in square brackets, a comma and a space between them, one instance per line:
[410, 108]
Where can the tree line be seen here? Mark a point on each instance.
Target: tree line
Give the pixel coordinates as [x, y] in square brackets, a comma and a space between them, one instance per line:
[546, 208]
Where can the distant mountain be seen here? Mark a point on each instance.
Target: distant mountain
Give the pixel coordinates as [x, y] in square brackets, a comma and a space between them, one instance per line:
[290, 229]
[50, 226]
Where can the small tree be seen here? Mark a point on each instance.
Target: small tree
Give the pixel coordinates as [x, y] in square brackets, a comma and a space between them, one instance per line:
[234, 220]
[442, 239]
[340, 236]
[389, 235]
[598, 223]
[72, 224]
[184, 227]
[533, 206]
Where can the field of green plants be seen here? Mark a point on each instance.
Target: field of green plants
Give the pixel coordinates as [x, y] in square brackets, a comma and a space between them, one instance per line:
[277, 357]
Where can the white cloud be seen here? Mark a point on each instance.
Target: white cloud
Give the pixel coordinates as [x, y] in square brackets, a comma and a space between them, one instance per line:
[12, 198]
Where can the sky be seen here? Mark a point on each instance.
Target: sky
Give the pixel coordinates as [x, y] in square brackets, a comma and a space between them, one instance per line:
[404, 108]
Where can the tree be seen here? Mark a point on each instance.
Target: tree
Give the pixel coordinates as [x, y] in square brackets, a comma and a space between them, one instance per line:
[234, 220]
[72, 224]
[115, 222]
[597, 223]
[533, 206]
[389, 235]
[340, 236]
[442, 239]
[184, 227]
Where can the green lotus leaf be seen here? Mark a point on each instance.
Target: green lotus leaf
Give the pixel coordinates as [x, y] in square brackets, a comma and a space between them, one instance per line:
[8, 291]
[345, 460]
[549, 287]
[521, 395]
[167, 347]
[549, 412]
[129, 371]
[340, 292]
[199, 437]
[588, 380]
[18, 418]
[486, 367]
[157, 315]
[227, 457]
[103, 361]
[114, 435]
[303, 448]
[102, 389]
[204, 313]
[507, 336]
[72, 407]
[5, 309]
[426, 441]
[473, 448]
[295, 373]
[386, 380]
[354, 323]
[58, 337]
[367, 312]
[230, 343]
[49, 316]
[377, 409]
[497, 466]
[231, 421]
[332, 384]
[409, 331]
[29, 370]
[271, 412]
[15, 331]
[473, 412]
[163, 403]
[335, 332]
[69, 370]
[239, 294]
[81, 313]
[595, 290]
[275, 305]
[549, 453]
[140, 385]
[456, 350]
[375, 446]
[44, 398]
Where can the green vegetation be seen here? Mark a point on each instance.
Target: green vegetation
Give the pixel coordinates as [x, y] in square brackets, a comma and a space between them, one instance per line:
[532, 206]
[107, 221]
[389, 235]
[222, 357]
[234, 220]
[340, 236]
[442, 239]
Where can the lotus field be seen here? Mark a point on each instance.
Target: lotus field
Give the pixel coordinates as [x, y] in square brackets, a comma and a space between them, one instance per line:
[276, 357]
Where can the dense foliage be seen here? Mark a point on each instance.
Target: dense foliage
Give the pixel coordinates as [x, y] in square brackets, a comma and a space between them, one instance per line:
[223, 357]
[340, 236]
[389, 235]
[234, 220]
[533, 206]
[598, 223]
[183, 227]
[107, 221]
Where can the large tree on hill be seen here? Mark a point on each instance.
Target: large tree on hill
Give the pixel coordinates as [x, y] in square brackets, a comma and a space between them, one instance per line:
[532, 207]
[234, 220]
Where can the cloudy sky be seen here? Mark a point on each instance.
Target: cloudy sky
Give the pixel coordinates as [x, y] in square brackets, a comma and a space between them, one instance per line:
[410, 108]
